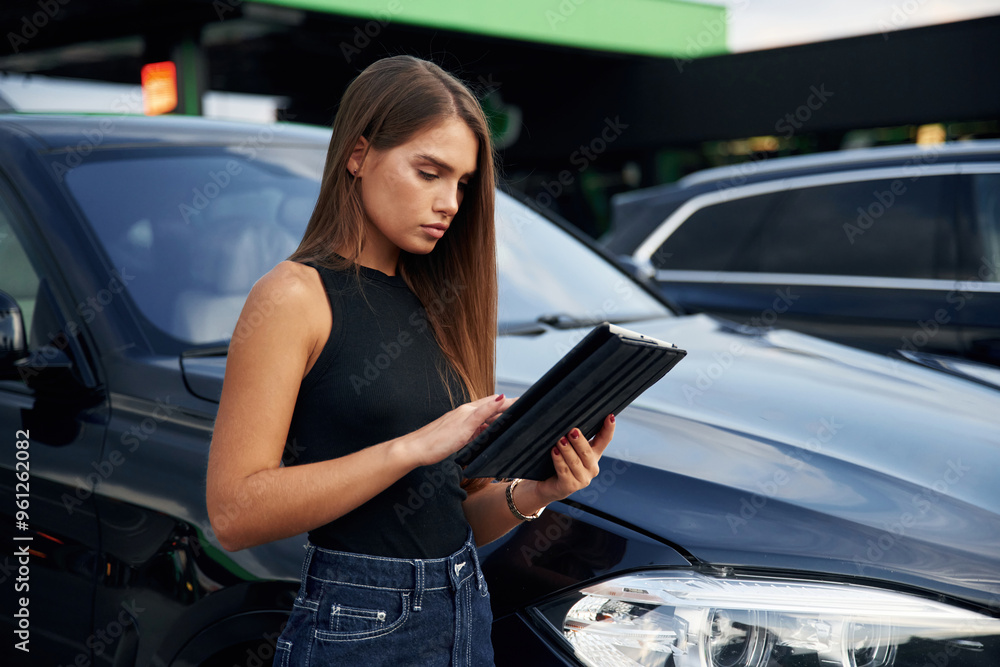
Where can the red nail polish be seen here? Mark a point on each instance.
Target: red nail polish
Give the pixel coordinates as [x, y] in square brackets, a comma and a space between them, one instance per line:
[499, 398]
[612, 418]
[564, 442]
[575, 433]
[555, 450]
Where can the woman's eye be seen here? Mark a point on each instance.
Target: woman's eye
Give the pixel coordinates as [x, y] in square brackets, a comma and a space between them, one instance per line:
[427, 176]
[463, 186]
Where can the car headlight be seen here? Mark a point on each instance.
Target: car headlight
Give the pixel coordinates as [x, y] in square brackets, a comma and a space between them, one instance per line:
[686, 619]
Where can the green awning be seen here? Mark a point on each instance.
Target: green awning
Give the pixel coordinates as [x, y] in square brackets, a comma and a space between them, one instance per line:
[665, 28]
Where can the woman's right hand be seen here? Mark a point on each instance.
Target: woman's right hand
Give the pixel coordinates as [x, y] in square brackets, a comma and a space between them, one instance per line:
[454, 429]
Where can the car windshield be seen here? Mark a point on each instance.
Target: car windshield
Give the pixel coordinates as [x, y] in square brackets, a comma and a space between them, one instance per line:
[192, 230]
[548, 277]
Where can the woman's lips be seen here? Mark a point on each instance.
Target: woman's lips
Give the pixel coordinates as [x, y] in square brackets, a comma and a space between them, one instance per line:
[434, 230]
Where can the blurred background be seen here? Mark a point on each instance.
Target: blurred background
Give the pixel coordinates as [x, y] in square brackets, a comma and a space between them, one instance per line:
[587, 98]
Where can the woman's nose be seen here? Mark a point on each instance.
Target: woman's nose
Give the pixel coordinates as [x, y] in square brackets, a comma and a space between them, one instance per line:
[448, 202]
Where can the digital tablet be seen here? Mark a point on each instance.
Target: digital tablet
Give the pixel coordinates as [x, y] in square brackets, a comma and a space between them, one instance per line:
[601, 375]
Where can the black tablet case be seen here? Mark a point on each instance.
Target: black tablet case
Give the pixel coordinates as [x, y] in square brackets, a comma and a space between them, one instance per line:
[601, 375]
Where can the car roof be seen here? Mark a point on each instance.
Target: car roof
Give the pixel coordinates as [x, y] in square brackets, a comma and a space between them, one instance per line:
[56, 131]
[853, 158]
[62, 131]
[635, 214]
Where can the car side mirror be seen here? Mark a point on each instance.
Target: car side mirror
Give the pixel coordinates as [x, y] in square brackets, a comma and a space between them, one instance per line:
[13, 341]
[47, 368]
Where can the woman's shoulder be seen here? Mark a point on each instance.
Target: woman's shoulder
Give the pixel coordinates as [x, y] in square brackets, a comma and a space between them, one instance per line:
[285, 304]
[289, 286]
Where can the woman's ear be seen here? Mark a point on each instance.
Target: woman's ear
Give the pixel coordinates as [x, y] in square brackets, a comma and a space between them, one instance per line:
[357, 156]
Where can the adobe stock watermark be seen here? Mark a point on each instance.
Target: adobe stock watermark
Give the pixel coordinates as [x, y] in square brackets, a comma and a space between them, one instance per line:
[744, 170]
[362, 35]
[32, 24]
[920, 504]
[129, 442]
[899, 16]
[788, 125]
[712, 33]
[950, 650]
[883, 200]
[925, 331]
[229, 512]
[794, 461]
[794, 121]
[710, 374]
[547, 531]
[94, 305]
[581, 158]
[373, 367]
[263, 309]
[624, 291]
[783, 302]
[263, 654]
[433, 479]
[102, 641]
[562, 12]
[552, 527]
[223, 7]
[87, 310]
[723, 361]
[217, 181]
[127, 104]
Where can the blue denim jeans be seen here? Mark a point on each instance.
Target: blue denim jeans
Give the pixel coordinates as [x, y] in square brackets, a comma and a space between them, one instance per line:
[354, 609]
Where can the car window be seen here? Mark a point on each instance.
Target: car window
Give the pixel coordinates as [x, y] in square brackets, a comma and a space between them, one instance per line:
[901, 228]
[716, 237]
[195, 231]
[986, 193]
[18, 277]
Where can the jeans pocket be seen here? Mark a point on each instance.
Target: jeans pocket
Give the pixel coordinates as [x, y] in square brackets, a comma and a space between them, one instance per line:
[352, 619]
[355, 616]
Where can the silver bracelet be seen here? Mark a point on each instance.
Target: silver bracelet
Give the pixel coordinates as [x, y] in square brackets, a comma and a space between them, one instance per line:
[513, 508]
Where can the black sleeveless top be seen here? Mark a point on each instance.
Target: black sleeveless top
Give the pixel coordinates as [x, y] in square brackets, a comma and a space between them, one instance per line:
[380, 375]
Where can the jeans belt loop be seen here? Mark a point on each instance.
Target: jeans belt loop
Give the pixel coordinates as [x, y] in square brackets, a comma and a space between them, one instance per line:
[306, 562]
[480, 579]
[418, 589]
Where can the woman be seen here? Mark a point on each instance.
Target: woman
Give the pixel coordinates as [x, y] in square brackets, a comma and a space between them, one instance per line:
[381, 323]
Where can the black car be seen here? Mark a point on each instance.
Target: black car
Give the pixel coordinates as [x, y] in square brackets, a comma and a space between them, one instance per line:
[893, 248]
[775, 500]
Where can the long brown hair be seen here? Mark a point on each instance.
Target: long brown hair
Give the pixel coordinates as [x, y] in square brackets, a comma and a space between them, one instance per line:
[388, 103]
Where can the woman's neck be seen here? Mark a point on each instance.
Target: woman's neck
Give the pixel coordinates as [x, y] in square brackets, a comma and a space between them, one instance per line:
[384, 262]
[383, 257]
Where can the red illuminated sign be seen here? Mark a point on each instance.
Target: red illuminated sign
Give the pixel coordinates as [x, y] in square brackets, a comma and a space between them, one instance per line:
[159, 88]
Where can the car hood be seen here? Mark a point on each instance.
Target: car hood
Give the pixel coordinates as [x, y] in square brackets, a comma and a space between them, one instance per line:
[776, 450]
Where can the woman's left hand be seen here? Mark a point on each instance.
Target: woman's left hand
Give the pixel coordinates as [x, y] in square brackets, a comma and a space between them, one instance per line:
[576, 462]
